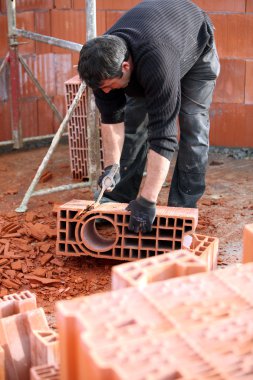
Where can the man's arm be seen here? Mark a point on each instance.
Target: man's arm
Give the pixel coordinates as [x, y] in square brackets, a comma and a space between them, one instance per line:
[113, 139]
[157, 170]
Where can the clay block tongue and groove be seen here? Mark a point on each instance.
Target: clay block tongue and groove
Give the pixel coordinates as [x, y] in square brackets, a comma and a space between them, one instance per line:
[82, 236]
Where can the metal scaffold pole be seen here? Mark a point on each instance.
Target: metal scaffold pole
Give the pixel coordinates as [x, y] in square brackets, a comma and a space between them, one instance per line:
[92, 132]
[14, 75]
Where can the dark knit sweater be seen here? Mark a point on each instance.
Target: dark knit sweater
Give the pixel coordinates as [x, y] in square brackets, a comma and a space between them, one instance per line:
[165, 38]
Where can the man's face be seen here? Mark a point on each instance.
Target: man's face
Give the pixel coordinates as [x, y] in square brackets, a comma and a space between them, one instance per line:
[118, 82]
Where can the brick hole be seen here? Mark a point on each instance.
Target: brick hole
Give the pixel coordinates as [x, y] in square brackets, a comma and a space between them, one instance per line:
[148, 243]
[187, 228]
[151, 253]
[165, 233]
[164, 244]
[98, 237]
[70, 248]
[134, 253]
[62, 247]
[178, 244]
[178, 234]
[63, 214]
[62, 235]
[179, 222]
[62, 225]
[131, 242]
[126, 253]
[171, 222]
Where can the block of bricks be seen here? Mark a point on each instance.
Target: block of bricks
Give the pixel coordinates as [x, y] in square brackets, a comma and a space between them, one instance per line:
[206, 248]
[161, 356]
[15, 333]
[158, 268]
[45, 348]
[77, 131]
[94, 328]
[248, 243]
[17, 303]
[45, 372]
[78, 235]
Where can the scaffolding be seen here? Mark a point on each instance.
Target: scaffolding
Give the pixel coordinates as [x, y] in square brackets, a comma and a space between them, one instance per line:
[14, 58]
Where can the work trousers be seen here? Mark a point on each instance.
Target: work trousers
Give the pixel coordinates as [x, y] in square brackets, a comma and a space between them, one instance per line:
[188, 180]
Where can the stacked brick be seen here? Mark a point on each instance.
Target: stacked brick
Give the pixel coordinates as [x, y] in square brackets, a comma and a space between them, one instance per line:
[78, 235]
[77, 131]
[193, 328]
[206, 248]
[25, 338]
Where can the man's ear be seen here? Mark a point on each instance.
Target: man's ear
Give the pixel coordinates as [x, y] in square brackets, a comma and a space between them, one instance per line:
[125, 67]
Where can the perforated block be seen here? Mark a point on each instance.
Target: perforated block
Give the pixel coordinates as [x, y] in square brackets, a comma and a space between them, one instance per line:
[206, 248]
[15, 333]
[79, 235]
[21, 302]
[45, 372]
[155, 331]
[159, 268]
[77, 130]
[248, 243]
[45, 348]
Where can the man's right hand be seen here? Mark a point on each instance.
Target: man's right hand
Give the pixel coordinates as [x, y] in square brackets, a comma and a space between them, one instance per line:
[115, 178]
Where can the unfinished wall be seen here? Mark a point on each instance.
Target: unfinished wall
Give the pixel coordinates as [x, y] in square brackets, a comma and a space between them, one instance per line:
[232, 110]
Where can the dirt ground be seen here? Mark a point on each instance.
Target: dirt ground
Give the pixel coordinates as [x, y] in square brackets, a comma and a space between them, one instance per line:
[27, 240]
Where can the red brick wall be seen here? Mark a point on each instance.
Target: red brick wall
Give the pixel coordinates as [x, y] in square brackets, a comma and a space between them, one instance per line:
[232, 109]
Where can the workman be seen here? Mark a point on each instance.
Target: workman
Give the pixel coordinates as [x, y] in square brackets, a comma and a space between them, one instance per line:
[157, 64]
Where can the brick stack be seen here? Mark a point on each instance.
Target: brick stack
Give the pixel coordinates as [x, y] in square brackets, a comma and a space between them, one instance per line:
[25, 338]
[190, 328]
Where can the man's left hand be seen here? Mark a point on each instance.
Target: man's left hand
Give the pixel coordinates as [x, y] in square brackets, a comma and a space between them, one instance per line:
[142, 216]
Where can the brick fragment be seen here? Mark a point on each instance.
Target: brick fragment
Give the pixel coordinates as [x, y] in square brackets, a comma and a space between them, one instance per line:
[248, 243]
[78, 235]
[159, 268]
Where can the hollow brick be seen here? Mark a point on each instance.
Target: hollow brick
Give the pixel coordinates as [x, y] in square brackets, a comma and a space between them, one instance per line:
[248, 243]
[15, 333]
[45, 372]
[159, 268]
[206, 248]
[20, 302]
[45, 348]
[77, 129]
[78, 235]
[162, 329]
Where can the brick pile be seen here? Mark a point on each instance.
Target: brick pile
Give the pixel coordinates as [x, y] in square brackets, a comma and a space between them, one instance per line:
[196, 327]
[26, 340]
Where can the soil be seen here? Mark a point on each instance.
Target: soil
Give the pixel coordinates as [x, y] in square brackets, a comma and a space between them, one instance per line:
[27, 240]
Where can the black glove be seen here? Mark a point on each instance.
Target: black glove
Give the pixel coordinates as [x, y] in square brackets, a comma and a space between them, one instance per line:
[116, 178]
[142, 215]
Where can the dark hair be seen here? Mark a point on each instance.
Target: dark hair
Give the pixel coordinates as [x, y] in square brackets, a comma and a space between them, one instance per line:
[101, 58]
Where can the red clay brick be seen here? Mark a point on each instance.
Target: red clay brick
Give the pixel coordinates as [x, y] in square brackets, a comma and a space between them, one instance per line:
[234, 35]
[115, 4]
[15, 332]
[25, 21]
[230, 86]
[249, 8]
[63, 4]
[206, 248]
[3, 36]
[222, 5]
[231, 125]
[43, 26]
[112, 17]
[22, 302]
[249, 82]
[159, 268]
[45, 348]
[79, 236]
[77, 128]
[45, 372]
[247, 243]
[68, 25]
[175, 327]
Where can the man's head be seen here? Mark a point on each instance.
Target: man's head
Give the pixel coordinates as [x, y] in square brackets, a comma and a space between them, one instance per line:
[105, 63]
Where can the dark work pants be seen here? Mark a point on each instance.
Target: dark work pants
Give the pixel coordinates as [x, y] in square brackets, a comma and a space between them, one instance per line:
[188, 181]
